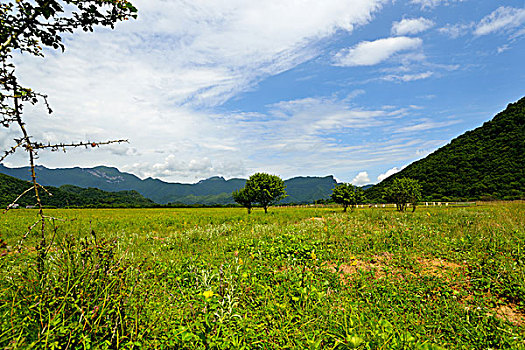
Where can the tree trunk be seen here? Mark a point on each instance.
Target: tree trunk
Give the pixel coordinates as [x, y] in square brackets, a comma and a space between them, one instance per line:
[266, 210]
[344, 208]
[249, 210]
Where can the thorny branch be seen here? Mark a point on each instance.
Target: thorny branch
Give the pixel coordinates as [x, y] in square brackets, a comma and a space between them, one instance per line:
[10, 151]
[27, 27]
[63, 146]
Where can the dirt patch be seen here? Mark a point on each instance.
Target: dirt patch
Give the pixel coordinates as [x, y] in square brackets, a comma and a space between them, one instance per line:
[317, 219]
[377, 266]
[440, 268]
[382, 265]
[510, 313]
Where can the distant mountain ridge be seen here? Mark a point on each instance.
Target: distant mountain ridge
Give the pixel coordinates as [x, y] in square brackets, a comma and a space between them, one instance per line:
[485, 163]
[212, 191]
[68, 196]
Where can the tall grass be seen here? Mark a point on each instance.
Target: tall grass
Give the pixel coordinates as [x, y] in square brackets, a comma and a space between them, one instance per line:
[295, 278]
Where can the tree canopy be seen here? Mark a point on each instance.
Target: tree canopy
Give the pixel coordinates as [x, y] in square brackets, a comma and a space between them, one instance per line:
[347, 195]
[402, 192]
[261, 188]
[244, 197]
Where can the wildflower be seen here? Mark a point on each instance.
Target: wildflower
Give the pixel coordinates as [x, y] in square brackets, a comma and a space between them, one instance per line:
[240, 261]
[208, 294]
[313, 255]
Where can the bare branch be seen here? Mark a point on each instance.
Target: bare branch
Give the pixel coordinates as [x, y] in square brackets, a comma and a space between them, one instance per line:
[16, 200]
[10, 151]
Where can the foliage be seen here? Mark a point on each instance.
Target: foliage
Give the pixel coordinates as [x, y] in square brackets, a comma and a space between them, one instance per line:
[300, 278]
[245, 197]
[404, 191]
[267, 189]
[482, 164]
[347, 195]
[80, 303]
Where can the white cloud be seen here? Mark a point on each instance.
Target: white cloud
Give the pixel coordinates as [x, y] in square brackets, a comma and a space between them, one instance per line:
[433, 3]
[411, 26]
[503, 18]
[389, 172]
[503, 48]
[204, 52]
[408, 77]
[456, 30]
[361, 179]
[426, 124]
[194, 169]
[368, 53]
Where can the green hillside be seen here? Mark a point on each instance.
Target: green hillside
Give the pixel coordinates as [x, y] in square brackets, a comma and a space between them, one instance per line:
[68, 195]
[485, 163]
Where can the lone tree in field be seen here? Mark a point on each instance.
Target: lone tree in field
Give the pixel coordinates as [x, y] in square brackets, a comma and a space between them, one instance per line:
[347, 195]
[404, 191]
[264, 189]
[244, 197]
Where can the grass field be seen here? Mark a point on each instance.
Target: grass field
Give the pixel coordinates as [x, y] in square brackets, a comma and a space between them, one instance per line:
[304, 278]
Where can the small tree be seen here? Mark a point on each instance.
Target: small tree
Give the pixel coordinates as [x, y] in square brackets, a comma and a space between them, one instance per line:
[347, 195]
[266, 189]
[244, 197]
[404, 191]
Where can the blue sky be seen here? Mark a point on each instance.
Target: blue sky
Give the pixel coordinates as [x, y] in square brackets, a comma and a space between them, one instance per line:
[357, 89]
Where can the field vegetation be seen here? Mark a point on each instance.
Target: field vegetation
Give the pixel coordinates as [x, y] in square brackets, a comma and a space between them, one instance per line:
[308, 278]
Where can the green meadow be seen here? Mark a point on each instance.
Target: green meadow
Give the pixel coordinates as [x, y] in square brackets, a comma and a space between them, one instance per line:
[295, 278]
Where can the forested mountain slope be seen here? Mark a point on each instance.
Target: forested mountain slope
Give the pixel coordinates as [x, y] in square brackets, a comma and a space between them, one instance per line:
[68, 195]
[485, 163]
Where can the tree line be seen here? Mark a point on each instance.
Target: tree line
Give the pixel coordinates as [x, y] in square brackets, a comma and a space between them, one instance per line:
[265, 189]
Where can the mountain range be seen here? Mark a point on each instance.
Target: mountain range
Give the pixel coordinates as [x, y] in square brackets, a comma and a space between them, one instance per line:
[68, 196]
[213, 191]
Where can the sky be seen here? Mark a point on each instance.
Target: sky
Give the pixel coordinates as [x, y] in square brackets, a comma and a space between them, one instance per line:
[357, 89]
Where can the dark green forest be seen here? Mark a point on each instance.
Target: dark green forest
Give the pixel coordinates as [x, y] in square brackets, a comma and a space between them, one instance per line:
[487, 163]
[69, 196]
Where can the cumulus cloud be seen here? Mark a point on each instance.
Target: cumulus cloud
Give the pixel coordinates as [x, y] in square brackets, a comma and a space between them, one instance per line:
[411, 26]
[501, 19]
[369, 53]
[180, 167]
[388, 173]
[361, 179]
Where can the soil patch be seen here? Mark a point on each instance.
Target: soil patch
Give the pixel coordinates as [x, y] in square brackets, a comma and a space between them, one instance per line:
[509, 312]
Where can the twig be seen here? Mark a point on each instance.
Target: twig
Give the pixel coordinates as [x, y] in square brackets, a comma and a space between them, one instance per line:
[11, 151]
[30, 228]
[17, 199]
